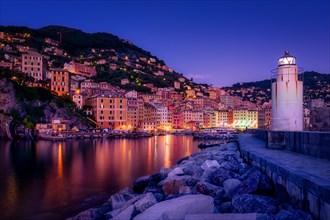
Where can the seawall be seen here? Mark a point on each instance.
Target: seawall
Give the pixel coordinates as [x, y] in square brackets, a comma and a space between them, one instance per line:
[286, 158]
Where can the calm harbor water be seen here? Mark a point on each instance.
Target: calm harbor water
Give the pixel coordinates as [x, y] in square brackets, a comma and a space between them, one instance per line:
[54, 180]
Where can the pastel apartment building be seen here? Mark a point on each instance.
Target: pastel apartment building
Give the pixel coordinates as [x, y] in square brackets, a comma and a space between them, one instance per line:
[79, 68]
[33, 65]
[109, 111]
[60, 81]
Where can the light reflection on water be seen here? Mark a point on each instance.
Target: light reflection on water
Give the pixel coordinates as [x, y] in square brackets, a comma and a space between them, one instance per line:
[50, 180]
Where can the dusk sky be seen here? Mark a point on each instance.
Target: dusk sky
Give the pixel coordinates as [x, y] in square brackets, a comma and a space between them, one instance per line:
[215, 42]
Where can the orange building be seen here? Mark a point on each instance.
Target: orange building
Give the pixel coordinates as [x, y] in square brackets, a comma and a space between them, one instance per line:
[132, 113]
[109, 111]
[60, 81]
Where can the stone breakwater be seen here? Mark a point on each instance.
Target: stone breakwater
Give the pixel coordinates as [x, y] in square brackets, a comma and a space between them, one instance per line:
[212, 184]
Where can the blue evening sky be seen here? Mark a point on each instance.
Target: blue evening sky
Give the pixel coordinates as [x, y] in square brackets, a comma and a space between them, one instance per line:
[216, 42]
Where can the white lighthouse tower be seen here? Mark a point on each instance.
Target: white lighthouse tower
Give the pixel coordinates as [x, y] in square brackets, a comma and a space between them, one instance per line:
[287, 96]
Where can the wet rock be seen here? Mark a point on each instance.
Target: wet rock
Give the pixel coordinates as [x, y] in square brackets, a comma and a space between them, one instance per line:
[159, 196]
[132, 201]
[210, 164]
[208, 175]
[250, 184]
[185, 190]
[164, 172]
[225, 207]
[178, 208]
[248, 203]
[191, 168]
[221, 174]
[172, 187]
[209, 189]
[182, 159]
[92, 213]
[125, 214]
[120, 198]
[112, 214]
[292, 214]
[156, 178]
[230, 185]
[265, 186]
[230, 166]
[176, 172]
[141, 183]
[147, 201]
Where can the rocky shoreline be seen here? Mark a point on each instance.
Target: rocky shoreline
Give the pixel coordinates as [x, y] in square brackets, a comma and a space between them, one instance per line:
[214, 183]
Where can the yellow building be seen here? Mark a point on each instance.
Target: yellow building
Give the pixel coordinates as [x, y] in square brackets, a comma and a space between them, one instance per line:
[109, 111]
[60, 81]
[245, 119]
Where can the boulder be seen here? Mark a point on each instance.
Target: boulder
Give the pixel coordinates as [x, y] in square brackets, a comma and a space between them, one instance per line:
[225, 207]
[292, 214]
[132, 201]
[184, 190]
[92, 213]
[164, 172]
[248, 203]
[191, 168]
[112, 214]
[233, 166]
[265, 186]
[209, 164]
[208, 174]
[178, 208]
[141, 183]
[147, 201]
[120, 198]
[126, 214]
[182, 159]
[250, 184]
[209, 189]
[230, 185]
[227, 216]
[176, 172]
[221, 174]
[172, 187]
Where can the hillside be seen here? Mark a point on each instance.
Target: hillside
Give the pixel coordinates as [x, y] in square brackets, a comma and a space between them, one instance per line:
[99, 50]
[316, 85]
[23, 107]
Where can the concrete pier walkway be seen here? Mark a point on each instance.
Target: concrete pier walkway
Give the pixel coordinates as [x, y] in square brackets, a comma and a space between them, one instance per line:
[306, 178]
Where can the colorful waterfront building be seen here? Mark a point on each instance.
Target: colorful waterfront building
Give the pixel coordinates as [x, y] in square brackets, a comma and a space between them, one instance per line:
[109, 111]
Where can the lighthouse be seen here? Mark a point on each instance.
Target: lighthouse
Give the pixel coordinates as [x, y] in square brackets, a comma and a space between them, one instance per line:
[287, 95]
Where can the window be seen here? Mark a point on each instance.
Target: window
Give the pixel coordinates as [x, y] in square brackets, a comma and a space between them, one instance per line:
[38, 64]
[101, 100]
[32, 63]
[120, 101]
[101, 111]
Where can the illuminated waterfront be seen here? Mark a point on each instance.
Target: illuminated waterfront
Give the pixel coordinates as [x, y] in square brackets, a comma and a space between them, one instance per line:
[53, 179]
